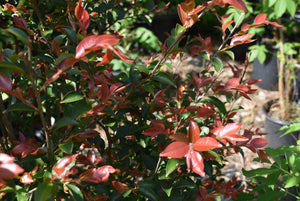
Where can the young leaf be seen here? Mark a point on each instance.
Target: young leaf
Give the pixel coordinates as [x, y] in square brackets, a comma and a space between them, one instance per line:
[63, 163]
[206, 143]
[259, 142]
[193, 132]
[175, 150]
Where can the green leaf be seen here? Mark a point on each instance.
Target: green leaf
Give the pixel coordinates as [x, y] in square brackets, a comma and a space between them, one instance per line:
[64, 56]
[22, 196]
[145, 188]
[19, 107]
[65, 121]
[142, 68]
[259, 172]
[72, 97]
[71, 34]
[19, 33]
[11, 66]
[217, 63]
[172, 165]
[44, 192]
[230, 54]
[168, 191]
[75, 192]
[165, 78]
[109, 122]
[218, 157]
[280, 8]
[292, 181]
[219, 104]
[270, 196]
[291, 128]
[291, 7]
[67, 147]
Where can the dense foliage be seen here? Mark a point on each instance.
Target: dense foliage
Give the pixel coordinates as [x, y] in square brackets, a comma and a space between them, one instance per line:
[85, 119]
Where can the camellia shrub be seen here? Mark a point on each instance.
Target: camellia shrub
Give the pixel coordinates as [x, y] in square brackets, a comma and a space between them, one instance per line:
[74, 128]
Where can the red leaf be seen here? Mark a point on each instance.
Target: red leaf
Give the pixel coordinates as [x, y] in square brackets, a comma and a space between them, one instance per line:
[5, 83]
[194, 161]
[193, 132]
[81, 136]
[9, 171]
[26, 178]
[205, 112]
[239, 4]
[108, 57]
[20, 22]
[120, 187]
[206, 143]
[61, 67]
[4, 158]
[82, 16]
[97, 175]
[260, 19]
[229, 129]
[63, 163]
[152, 132]
[259, 142]
[104, 92]
[93, 43]
[10, 7]
[232, 83]
[180, 137]
[175, 150]
[122, 56]
[263, 155]
[24, 149]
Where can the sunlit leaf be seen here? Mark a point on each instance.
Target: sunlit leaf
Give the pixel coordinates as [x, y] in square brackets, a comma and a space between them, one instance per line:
[206, 143]
[175, 150]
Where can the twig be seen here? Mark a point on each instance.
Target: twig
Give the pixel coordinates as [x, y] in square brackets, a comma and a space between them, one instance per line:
[38, 100]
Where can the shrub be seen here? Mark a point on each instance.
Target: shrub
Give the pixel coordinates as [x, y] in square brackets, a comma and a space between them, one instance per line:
[134, 135]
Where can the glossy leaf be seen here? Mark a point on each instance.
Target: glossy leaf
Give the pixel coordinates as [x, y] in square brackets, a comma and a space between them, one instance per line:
[194, 161]
[172, 165]
[175, 150]
[65, 121]
[82, 16]
[72, 97]
[63, 163]
[94, 175]
[44, 192]
[239, 4]
[219, 104]
[164, 78]
[193, 132]
[11, 66]
[217, 63]
[94, 42]
[259, 142]
[75, 192]
[26, 178]
[292, 181]
[206, 143]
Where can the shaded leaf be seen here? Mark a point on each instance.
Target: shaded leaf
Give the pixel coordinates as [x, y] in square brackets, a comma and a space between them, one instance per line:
[44, 192]
[164, 78]
[75, 192]
[67, 146]
[5, 83]
[19, 33]
[72, 97]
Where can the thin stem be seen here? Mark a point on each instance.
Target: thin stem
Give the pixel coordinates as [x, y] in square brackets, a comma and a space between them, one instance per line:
[217, 52]
[39, 103]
